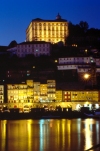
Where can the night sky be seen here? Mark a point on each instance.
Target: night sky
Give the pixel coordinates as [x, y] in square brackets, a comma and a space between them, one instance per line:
[15, 15]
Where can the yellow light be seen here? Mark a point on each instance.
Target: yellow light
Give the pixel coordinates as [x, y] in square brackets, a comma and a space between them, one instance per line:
[86, 50]
[86, 76]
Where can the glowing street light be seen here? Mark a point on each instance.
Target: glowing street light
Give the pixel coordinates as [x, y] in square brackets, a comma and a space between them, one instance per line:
[86, 76]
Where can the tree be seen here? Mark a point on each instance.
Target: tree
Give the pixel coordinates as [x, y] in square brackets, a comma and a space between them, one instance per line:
[12, 44]
[84, 26]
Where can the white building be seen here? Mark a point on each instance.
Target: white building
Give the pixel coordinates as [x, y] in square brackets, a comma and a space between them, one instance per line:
[81, 64]
[75, 60]
[36, 48]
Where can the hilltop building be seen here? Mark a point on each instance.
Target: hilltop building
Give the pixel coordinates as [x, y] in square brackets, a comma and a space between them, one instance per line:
[47, 30]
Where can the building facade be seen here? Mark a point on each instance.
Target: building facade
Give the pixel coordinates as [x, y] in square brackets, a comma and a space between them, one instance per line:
[35, 94]
[47, 30]
[1, 93]
[31, 92]
[80, 64]
[80, 96]
[36, 48]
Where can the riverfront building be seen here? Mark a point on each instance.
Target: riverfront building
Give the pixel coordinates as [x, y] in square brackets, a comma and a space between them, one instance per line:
[47, 30]
[31, 92]
[36, 94]
[1, 93]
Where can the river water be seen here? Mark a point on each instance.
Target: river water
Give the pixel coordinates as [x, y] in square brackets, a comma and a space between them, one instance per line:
[49, 134]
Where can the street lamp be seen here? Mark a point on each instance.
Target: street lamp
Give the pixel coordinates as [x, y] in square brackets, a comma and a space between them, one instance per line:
[86, 76]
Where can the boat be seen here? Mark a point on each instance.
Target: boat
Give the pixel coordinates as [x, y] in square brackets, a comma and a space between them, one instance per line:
[94, 113]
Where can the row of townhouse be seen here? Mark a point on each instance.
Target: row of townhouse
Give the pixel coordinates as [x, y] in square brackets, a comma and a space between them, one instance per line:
[34, 92]
[28, 91]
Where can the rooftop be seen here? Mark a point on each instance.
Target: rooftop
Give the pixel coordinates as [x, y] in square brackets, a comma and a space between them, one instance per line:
[34, 42]
[58, 19]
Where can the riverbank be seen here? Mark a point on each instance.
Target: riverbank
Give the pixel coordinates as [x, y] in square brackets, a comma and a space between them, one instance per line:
[42, 115]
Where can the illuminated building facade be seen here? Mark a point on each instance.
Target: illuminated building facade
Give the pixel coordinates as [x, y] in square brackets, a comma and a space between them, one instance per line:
[51, 85]
[36, 91]
[36, 48]
[1, 93]
[31, 92]
[17, 93]
[58, 95]
[47, 30]
[81, 96]
[35, 94]
[43, 94]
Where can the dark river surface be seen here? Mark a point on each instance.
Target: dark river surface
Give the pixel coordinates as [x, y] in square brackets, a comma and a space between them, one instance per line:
[49, 134]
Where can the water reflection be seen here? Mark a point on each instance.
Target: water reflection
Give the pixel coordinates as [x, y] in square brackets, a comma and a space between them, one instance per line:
[88, 133]
[49, 134]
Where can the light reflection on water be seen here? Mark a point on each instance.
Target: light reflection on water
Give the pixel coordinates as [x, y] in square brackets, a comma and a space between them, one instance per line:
[88, 133]
[49, 134]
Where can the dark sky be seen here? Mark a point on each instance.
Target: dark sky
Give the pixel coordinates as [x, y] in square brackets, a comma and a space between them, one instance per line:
[15, 15]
